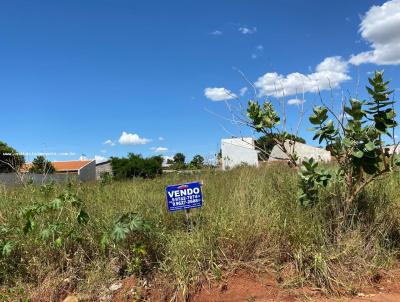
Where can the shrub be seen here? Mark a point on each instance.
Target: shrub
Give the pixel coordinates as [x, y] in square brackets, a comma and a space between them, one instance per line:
[136, 166]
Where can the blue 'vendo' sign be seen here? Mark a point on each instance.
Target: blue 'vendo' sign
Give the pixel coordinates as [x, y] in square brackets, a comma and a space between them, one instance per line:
[183, 197]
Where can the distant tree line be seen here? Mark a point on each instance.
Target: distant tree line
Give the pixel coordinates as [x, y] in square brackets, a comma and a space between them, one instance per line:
[136, 166]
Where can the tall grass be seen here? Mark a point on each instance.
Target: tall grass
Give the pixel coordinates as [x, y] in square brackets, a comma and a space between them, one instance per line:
[250, 219]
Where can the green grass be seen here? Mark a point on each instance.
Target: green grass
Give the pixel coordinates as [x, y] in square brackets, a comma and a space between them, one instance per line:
[250, 219]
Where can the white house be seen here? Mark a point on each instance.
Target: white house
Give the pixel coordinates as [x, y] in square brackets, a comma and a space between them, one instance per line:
[237, 151]
[302, 151]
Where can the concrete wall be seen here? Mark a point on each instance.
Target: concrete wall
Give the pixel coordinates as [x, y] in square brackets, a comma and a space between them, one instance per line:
[88, 172]
[103, 168]
[11, 179]
[237, 151]
[303, 151]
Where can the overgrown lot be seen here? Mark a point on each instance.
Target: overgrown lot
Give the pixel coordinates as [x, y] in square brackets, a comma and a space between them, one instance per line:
[81, 238]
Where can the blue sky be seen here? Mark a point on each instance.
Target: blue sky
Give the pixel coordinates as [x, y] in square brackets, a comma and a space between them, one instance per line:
[77, 74]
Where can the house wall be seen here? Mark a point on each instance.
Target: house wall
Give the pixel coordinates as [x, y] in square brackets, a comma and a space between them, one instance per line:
[103, 168]
[303, 151]
[11, 179]
[88, 172]
[237, 151]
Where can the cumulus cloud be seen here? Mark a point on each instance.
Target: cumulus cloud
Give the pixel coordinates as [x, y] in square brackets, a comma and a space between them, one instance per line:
[247, 31]
[295, 102]
[160, 138]
[243, 91]
[132, 139]
[99, 159]
[109, 142]
[159, 149]
[330, 73]
[216, 33]
[381, 28]
[219, 94]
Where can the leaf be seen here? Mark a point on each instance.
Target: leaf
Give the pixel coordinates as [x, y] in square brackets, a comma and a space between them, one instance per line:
[119, 232]
[58, 242]
[7, 249]
[45, 234]
[370, 146]
[82, 217]
[29, 225]
[358, 153]
[105, 241]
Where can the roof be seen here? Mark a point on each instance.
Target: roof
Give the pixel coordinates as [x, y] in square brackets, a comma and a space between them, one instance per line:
[70, 165]
[63, 166]
[103, 162]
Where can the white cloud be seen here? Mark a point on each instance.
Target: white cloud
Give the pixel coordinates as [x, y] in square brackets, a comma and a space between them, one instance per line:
[219, 94]
[381, 28]
[103, 151]
[330, 73]
[99, 159]
[109, 142]
[159, 149]
[217, 33]
[132, 139]
[243, 91]
[259, 49]
[160, 138]
[247, 31]
[295, 102]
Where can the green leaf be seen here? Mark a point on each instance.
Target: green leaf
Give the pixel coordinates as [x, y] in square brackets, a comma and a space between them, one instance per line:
[58, 242]
[358, 153]
[370, 146]
[45, 234]
[82, 217]
[7, 249]
[119, 232]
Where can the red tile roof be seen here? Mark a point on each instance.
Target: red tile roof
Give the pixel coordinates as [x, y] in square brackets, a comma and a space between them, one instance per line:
[62, 166]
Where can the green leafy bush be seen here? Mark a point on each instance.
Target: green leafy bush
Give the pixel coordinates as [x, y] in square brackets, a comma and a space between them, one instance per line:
[136, 166]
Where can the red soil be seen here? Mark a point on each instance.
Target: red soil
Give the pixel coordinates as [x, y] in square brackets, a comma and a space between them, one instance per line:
[246, 287]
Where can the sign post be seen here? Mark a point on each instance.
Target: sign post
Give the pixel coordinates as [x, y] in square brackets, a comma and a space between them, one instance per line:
[184, 197]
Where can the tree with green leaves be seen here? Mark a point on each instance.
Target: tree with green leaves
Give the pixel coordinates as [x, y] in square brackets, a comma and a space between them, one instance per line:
[197, 162]
[41, 165]
[266, 143]
[136, 166]
[357, 143]
[264, 119]
[10, 160]
[179, 161]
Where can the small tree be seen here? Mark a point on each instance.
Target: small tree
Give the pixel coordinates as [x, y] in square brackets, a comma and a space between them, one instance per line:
[357, 145]
[264, 119]
[41, 165]
[197, 162]
[179, 161]
[10, 160]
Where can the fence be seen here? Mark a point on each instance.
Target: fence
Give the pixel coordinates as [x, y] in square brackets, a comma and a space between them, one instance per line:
[12, 179]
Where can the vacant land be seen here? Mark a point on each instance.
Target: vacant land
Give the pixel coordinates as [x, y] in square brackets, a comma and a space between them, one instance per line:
[83, 239]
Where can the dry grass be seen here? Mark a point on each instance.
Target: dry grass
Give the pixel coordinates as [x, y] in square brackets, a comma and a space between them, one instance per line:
[250, 218]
